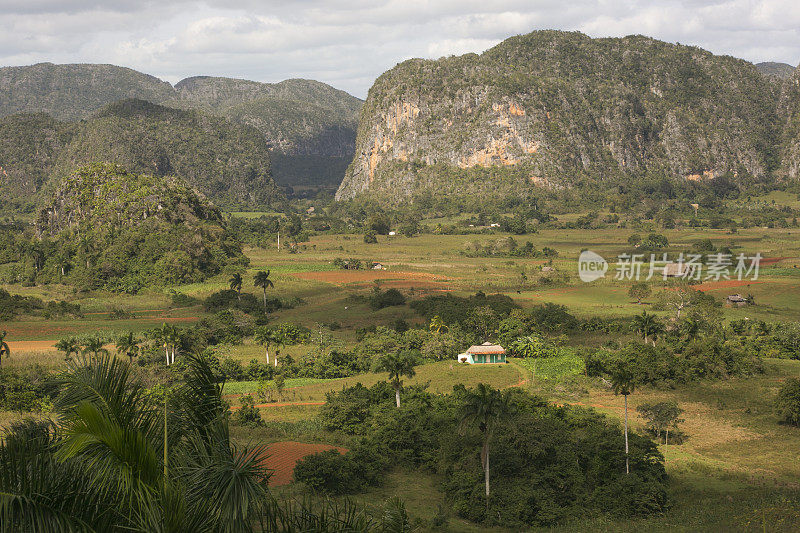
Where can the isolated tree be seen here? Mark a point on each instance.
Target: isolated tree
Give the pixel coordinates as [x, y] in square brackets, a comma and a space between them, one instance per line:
[261, 279]
[397, 365]
[660, 417]
[623, 382]
[70, 346]
[647, 325]
[265, 336]
[639, 291]
[235, 284]
[128, 345]
[679, 295]
[94, 346]
[485, 408]
[5, 351]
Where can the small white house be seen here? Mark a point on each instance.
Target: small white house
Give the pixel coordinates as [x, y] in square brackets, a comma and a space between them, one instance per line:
[483, 354]
[392, 233]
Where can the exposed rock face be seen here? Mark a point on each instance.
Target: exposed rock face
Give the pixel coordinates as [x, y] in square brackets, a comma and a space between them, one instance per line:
[554, 108]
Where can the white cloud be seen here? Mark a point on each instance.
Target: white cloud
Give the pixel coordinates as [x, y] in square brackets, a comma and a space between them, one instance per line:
[348, 43]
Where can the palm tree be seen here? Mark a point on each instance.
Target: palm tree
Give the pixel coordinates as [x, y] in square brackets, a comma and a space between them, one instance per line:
[69, 346]
[647, 325]
[484, 408]
[94, 346]
[4, 349]
[397, 364]
[169, 337]
[261, 279]
[236, 285]
[623, 382]
[265, 336]
[111, 462]
[438, 325]
[128, 345]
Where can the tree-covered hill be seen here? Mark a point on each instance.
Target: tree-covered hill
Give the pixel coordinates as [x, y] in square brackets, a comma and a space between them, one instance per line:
[107, 227]
[72, 92]
[29, 144]
[790, 108]
[782, 71]
[229, 163]
[310, 125]
[551, 109]
[296, 117]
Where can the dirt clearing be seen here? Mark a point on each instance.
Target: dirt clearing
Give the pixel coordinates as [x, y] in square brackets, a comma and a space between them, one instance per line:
[282, 456]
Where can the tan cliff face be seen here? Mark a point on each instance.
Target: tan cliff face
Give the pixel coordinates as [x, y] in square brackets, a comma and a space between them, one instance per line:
[532, 112]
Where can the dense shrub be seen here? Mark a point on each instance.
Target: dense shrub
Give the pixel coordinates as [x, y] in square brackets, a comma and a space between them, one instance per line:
[388, 298]
[25, 390]
[788, 402]
[333, 473]
[248, 414]
[456, 310]
[548, 463]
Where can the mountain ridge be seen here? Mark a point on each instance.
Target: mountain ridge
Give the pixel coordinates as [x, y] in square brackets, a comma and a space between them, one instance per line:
[549, 109]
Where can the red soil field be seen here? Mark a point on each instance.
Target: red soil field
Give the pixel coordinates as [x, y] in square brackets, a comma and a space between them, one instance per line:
[282, 456]
[724, 284]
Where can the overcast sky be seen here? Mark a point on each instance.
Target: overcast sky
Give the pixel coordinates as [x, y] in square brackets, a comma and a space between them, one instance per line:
[349, 43]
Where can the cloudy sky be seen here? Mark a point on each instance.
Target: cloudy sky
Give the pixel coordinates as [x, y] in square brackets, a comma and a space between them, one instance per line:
[348, 43]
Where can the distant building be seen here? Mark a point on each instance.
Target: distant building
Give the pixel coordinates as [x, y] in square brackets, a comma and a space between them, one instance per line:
[392, 233]
[483, 354]
[548, 269]
[378, 266]
[678, 270]
[736, 300]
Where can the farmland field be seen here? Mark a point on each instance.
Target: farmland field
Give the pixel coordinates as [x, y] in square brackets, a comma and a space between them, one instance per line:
[735, 470]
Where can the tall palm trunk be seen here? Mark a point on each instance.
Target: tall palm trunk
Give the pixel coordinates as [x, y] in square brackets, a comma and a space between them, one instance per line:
[627, 465]
[397, 394]
[486, 471]
[265, 299]
[267, 351]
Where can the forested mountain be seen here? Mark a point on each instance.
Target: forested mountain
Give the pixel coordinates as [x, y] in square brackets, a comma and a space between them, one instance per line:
[553, 109]
[310, 125]
[782, 71]
[227, 162]
[296, 118]
[790, 108]
[72, 92]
